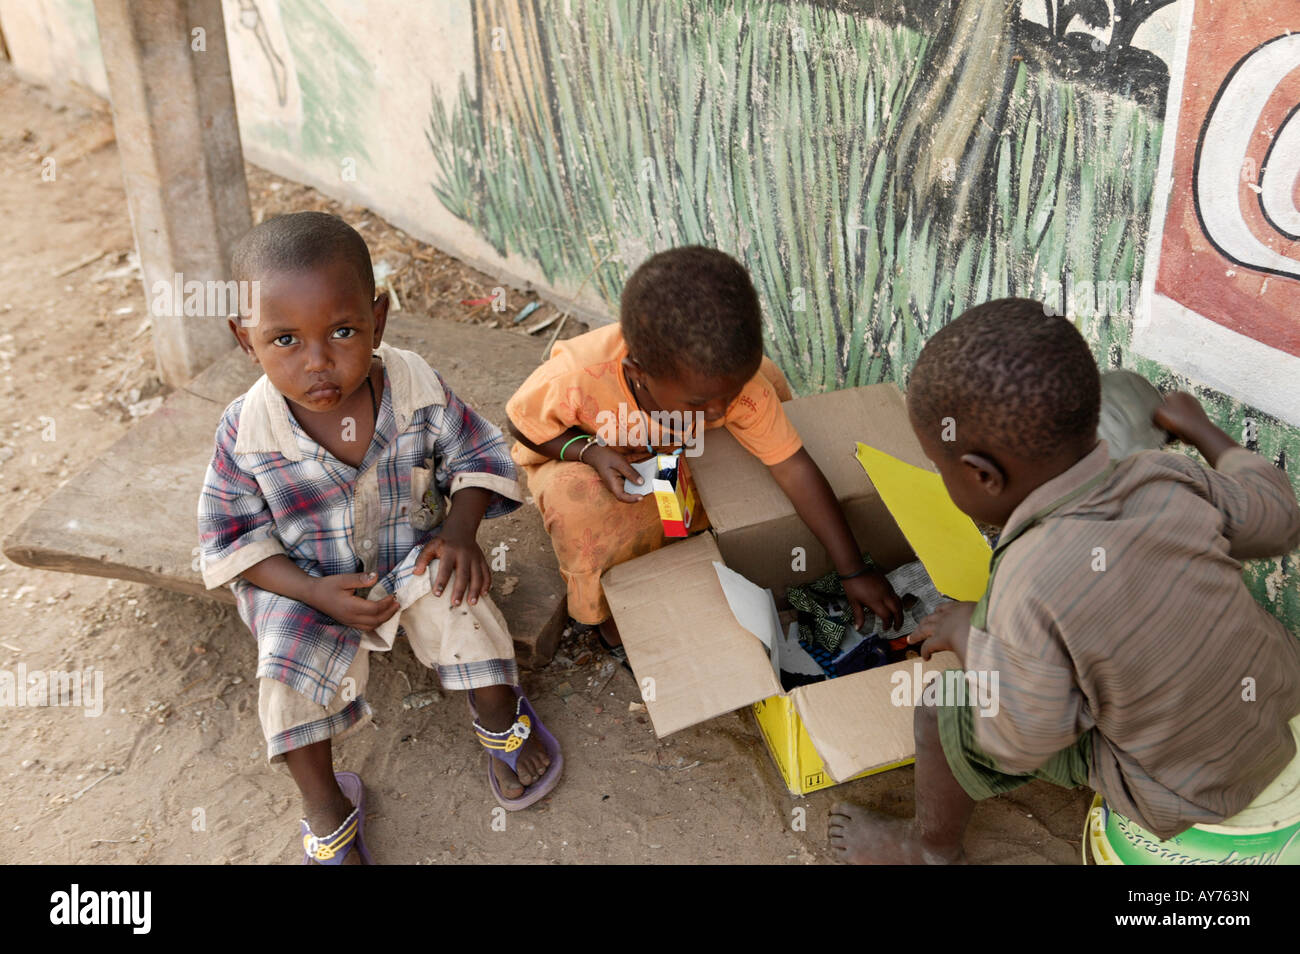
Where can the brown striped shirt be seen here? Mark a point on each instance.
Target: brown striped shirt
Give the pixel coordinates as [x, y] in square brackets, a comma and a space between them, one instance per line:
[1124, 614]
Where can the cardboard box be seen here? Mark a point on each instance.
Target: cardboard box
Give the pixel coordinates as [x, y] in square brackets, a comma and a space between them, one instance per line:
[748, 511]
[695, 660]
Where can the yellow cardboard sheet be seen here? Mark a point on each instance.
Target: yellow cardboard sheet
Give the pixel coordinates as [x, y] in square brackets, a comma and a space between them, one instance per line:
[944, 539]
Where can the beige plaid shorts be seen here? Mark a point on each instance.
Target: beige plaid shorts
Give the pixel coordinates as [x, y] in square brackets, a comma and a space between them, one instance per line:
[468, 645]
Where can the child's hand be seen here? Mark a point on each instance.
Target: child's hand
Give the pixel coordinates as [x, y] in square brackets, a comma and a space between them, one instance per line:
[612, 465]
[877, 594]
[947, 628]
[1181, 415]
[457, 553]
[335, 596]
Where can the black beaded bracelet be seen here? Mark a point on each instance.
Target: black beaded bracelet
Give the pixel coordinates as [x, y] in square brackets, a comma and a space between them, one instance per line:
[862, 572]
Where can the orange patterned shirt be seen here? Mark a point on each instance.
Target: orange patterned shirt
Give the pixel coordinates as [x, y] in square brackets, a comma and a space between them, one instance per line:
[584, 377]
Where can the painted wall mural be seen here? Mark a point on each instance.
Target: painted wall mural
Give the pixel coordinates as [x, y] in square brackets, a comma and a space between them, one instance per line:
[332, 82]
[1225, 303]
[879, 165]
[876, 179]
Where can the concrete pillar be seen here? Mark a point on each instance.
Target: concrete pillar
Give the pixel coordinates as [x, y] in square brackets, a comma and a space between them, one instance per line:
[178, 136]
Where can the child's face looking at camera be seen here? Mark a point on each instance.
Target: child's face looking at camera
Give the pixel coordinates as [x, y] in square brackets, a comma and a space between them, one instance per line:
[316, 330]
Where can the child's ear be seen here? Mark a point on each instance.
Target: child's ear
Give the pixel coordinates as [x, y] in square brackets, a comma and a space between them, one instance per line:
[984, 472]
[379, 311]
[635, 373]
[237, 329]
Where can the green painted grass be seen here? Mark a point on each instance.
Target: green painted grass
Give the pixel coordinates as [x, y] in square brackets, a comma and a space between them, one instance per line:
[761, 129]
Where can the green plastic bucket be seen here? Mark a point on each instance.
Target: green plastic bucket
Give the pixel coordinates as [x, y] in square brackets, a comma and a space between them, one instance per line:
[1266, 832]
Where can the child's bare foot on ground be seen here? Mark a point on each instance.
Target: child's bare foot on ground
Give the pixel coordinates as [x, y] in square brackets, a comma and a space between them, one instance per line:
[613, 643]
[324, 819]
[609, 632]
[496, 708]
[862, 837]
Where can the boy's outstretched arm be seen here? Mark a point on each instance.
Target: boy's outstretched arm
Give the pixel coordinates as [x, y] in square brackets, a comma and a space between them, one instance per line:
[946, 629]
[1260, 512]
[803, 482]
[1182, 415]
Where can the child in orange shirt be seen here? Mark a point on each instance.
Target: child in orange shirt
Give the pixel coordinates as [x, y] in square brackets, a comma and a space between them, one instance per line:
[688, 349]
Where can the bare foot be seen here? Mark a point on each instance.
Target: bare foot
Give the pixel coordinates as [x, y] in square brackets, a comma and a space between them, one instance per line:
[609, 632]
[612, 641]
[496, 705]
[862, 837]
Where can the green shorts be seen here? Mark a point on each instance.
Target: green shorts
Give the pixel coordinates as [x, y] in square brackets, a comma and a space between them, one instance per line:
[979, 775]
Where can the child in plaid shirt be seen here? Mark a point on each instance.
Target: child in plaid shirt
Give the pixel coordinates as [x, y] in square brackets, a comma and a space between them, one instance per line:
[326, 506]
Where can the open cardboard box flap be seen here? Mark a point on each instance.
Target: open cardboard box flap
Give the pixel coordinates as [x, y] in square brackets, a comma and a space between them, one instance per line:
[695, 662]
[864, 721]
[692, 659]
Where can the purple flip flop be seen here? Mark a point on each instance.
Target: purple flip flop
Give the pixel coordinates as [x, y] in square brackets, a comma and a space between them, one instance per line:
[333, 848]
[506, 746]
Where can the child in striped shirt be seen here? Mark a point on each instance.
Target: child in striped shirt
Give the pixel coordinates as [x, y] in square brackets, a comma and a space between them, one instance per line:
[1130, 655]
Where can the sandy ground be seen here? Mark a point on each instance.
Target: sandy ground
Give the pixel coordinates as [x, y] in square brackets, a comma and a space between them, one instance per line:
[174, 771]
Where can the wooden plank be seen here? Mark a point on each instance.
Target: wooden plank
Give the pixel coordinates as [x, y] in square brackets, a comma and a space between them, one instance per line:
[182, 161]
[131, 514]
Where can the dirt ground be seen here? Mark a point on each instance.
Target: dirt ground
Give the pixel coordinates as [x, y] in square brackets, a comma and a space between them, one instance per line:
[174, 770]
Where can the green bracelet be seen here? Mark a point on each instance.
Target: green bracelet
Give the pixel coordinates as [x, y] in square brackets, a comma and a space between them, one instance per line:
[570, 441]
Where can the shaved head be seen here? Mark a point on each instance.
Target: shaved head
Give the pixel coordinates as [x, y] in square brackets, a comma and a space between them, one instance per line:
[302, 241]
[1012, 377]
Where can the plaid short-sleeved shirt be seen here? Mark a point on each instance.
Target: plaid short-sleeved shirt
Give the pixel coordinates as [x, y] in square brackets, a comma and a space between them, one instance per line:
[272, 489]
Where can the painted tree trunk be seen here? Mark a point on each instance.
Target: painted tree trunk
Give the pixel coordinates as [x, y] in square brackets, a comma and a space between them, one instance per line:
[514, 80]
[947, 140]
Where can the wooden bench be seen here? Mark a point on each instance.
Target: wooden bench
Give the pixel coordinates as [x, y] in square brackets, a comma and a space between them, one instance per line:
[130, 515]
